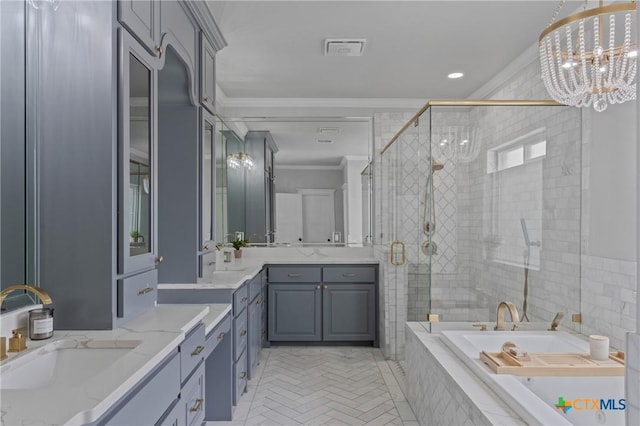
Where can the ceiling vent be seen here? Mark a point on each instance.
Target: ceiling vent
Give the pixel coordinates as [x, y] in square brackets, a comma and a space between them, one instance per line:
[324, 141]
[344, 46]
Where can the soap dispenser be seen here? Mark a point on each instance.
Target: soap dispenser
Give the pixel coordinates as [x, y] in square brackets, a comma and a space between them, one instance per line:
[17, 341]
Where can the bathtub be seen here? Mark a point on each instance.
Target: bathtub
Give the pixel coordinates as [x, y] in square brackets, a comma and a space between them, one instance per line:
[534, 398]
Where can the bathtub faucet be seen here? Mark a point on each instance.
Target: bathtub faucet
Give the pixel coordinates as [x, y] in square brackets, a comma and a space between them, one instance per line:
[513, 311]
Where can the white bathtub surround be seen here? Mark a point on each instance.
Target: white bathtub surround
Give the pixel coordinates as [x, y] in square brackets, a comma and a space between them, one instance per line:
[608, 295]
[632, 382]
[159, 331]
[442, 391]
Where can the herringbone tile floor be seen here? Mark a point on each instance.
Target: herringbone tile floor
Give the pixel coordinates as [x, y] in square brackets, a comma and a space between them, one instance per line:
[324, 386]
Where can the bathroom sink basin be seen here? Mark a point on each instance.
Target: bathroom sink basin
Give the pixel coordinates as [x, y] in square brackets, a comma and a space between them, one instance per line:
[63, 363]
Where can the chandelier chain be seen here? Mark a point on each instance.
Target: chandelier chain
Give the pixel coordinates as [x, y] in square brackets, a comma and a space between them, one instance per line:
[557, 11]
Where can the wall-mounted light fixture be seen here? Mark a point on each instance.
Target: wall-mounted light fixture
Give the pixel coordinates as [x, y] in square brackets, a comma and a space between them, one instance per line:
[239, 160]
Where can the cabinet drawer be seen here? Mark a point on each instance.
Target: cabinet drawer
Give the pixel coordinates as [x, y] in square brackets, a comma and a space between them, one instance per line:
[294, 274]
[216, 335]
[151, 400]
[255, 287]
[240, 299]
[175, 417]
[240, 378]
[350, 274]
[193, 397]
[240, 334]
[191, 352]
[137, 293]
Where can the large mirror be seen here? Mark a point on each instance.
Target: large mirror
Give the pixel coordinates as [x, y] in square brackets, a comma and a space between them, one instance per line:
[17, 215]
[319, 186]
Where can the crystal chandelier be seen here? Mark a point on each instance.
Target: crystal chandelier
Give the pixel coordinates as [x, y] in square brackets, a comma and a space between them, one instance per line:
[456, 143]
[239, 160]
[589, 57]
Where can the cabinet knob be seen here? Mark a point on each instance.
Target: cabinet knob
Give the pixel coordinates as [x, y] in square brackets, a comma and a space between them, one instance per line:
[318, 287]
[325, 287]
[159, 259]
[243, 333]
[244, 299]
[243, 374]
[159, 49]
[205, 98]
[205, 247]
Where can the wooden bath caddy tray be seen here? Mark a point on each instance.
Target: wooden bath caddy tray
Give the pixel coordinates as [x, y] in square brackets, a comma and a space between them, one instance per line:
[553, 364]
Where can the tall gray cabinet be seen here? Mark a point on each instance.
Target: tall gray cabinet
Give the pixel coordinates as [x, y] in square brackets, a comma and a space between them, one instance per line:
[109, 170]
[260, 188]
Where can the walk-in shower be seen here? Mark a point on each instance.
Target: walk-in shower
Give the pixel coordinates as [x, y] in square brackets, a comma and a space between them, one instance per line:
[460, 176]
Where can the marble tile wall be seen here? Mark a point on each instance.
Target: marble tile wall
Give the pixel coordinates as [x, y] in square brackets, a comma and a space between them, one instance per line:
[441, 391]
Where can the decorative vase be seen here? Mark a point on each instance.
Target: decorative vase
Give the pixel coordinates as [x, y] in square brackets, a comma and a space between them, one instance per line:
[237, 254]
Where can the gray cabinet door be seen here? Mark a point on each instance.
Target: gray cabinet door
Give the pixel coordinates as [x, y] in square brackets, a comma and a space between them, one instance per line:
[137, 162]
[207, 74]
[348, 312]
[142, 19]
[295, 312]
[255, 339]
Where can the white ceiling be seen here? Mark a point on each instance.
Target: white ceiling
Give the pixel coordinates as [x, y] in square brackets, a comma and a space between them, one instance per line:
[275, 48]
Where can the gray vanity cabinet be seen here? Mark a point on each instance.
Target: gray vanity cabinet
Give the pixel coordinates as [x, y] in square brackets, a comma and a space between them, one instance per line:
[348, 312]
[255, 315]
[142, 19]
[322, 303]
[295, 312]
[207, 74]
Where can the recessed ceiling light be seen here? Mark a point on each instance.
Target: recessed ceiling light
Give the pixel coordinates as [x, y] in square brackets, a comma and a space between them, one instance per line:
[324, 141]
[455, 75]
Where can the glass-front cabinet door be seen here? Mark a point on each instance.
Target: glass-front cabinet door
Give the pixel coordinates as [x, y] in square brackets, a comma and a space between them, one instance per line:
[137, 205]
[207, 183]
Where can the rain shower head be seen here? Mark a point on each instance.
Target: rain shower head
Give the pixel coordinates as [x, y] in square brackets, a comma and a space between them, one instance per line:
[435, 166]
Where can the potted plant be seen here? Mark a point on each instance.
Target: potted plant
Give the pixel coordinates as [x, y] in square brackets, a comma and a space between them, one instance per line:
[237, 244]
[134, 234]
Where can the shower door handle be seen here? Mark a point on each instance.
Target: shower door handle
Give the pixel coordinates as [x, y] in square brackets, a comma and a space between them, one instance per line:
[394, 262]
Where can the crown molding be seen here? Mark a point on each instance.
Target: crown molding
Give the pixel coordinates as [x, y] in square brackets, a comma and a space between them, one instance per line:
[395, 103]
[207, 22]
[305, 167]
[514, 67]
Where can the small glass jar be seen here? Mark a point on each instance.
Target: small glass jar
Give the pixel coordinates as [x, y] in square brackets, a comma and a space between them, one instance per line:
[40, 323]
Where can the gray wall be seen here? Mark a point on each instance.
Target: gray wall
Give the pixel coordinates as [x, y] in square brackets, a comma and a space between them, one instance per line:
[12, 148]
[612, 183]
[288, 180]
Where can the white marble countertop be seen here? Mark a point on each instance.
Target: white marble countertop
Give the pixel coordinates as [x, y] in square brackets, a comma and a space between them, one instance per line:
[160, 331]
[231, 275]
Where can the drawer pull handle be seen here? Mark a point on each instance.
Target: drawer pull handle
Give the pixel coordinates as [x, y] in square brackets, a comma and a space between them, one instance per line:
[145, 291]
[244, 299]
[243, 374]
[259, 302]
[221, 335]
[293, 275]
[205, 98]
[349, 274]
[197, 350]
[243, 333]
[159, 259]
[198, 406]
[158, 49]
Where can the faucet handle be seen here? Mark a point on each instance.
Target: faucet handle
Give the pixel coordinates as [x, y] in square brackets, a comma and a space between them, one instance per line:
[3, 348]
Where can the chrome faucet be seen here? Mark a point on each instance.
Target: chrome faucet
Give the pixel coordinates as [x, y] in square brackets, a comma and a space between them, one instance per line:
[513, 311]
[44, 297]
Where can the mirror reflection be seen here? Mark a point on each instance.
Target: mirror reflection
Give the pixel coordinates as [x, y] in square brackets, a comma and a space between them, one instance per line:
[139, 160]
[207, 181]
[295, 181]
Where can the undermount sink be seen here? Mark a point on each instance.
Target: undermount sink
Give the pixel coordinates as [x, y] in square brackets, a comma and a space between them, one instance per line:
[64, 362]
